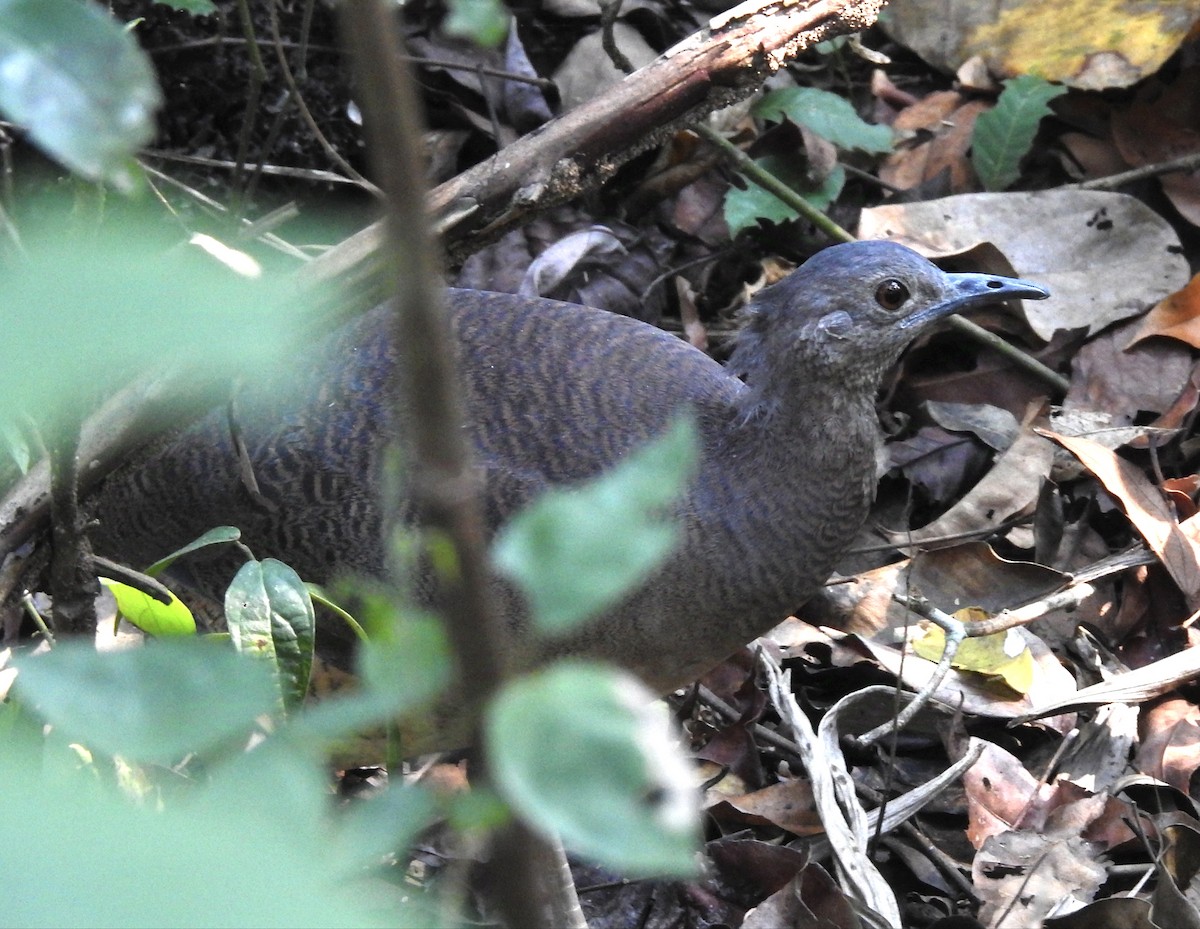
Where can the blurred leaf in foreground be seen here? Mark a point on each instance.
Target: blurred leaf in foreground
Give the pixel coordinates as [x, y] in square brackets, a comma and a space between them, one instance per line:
[79, 83]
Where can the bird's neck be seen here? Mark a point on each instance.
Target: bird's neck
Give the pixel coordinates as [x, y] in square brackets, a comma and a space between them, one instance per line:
[780, 496]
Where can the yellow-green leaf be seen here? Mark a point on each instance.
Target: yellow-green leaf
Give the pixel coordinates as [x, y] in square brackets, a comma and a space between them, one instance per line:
[150, 615]
[1002, 657]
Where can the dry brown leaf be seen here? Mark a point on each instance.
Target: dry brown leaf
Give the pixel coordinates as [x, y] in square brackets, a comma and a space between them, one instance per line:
[1096, 157]
[1010, 487]
[1120, 381]
[787, 804]
[1145, 508]
[812, 898]
[1164, 123]
[1103, 256]
[950, 119]
[1176, 896]
[1176, 316]
[1170, 745]
[1002, 795]
[1023, 878]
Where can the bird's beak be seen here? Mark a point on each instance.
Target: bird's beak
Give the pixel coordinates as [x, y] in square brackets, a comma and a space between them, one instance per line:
[971, 290]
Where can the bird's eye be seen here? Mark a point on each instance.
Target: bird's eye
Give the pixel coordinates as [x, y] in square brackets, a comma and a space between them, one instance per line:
[891, 294]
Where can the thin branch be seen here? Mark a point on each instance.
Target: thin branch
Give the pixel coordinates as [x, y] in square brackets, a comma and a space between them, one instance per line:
[305, 114]
[440, 478]
[543, 82]
[1189, 162]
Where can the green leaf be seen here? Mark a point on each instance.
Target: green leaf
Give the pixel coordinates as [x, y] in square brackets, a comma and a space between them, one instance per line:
[828, 115]
[576, 551]
[149, 614]
[745, 208]
[221, 535]
[613, 787]
[405, 657]
[153, 704]
[72, 76]
[477, 811]
[1004, 134]
[484, 22]
[124, 301]
[195, 7]
[270, 615]
[385, 825]
[203, 859]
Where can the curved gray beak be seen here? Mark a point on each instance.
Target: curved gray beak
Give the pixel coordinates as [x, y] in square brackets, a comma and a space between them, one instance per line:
[971, 290]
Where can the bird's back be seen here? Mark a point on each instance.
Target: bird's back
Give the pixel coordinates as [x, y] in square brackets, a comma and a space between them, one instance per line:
[554, 393]
[558, 393]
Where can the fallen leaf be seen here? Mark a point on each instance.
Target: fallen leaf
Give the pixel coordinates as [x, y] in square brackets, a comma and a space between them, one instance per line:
[1176, 316]
[1120, 381]
[1161, 124]
[1103, 256]
[1170, 745]
[1090, 44]
[1010, 487]
[1145, 508]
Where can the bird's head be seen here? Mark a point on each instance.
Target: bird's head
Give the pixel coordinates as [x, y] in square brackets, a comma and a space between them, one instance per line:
[848, 312]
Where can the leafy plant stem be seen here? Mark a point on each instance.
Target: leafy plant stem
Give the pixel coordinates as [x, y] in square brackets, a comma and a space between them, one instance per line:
[770, 182]
[32, 612]
[355, 627]
[439, 467]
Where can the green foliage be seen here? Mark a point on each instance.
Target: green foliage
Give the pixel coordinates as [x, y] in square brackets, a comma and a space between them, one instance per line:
[262, 813]
[270, 615]
[122, 301]
[1003, 135]
[484, 22]
[745, 208]
[828, 115]
[153, 704]
[822, 113]
[151, 615]
[576, 551]
[221, 535]
[127, 301]
[195, 7]
[71, 75]
[406, 655]
[612, 787]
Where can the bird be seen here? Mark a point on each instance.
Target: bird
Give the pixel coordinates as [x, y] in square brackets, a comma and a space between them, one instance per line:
[556, 394]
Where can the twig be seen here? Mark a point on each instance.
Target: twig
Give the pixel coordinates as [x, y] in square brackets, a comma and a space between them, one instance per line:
[609, 11]
[543, 82]
[288, 78]
[955, 633]
[304, 174]
[440, 476]
[258, 76]
[1113, 181]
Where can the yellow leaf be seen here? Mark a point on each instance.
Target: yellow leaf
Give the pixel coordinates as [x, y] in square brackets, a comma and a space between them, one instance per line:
[1002, 657]
[150, 615]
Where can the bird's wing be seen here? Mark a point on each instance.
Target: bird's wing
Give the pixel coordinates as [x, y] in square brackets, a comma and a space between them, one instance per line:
[558, 393]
